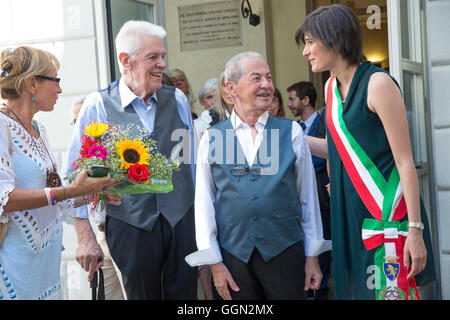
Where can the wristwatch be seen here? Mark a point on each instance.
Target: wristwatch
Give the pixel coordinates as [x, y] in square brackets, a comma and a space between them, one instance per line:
[86, 199]
[417, 225]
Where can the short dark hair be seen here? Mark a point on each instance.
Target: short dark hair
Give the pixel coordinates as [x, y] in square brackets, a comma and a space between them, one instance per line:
[304, 89]
[337, 27]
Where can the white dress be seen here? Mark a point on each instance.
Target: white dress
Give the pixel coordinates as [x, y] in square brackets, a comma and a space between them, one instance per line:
[30, 256]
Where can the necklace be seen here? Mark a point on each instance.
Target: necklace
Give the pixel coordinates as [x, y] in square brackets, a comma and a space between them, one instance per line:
[53, 179]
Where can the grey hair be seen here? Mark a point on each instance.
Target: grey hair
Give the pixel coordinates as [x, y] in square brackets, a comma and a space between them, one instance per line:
[208, 86]
[129, 38]
[233, 69]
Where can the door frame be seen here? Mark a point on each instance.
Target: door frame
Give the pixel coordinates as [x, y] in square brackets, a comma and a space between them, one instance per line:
[398, 64]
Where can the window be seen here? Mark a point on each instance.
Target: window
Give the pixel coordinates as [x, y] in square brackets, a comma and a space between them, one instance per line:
[121, 11]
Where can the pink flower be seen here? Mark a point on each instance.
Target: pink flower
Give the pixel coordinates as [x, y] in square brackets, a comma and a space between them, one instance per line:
[98, 151]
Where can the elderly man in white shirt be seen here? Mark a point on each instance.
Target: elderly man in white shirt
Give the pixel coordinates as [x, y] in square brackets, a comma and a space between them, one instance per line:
[257, 216]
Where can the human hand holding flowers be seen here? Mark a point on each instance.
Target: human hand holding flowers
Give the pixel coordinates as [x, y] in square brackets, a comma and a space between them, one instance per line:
[114, 199]
[132, 159]
[85, 185]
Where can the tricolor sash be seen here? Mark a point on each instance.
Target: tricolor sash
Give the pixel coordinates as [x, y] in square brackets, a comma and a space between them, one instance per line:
[383, 199]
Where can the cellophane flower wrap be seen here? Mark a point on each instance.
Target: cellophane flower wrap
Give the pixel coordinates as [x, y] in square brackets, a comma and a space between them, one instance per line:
[132, 160]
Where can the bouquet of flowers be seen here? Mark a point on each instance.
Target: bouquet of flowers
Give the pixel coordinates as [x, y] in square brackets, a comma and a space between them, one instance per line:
[136, 162]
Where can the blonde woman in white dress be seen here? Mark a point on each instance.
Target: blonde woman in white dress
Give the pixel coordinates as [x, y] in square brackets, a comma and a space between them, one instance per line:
[33, 202]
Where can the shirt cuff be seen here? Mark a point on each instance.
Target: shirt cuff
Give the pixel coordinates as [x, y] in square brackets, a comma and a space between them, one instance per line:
[208, 256]
[314, 248]
[82, 212]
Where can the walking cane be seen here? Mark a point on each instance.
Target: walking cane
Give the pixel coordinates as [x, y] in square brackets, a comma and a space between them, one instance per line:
[98, 281]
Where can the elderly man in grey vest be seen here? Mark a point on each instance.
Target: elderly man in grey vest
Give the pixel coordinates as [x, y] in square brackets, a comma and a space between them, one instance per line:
[150, 234]
[257, 215]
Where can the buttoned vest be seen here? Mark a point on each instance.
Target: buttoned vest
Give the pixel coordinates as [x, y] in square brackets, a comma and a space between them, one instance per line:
[318, 130]
[142, 210]
[255, 207]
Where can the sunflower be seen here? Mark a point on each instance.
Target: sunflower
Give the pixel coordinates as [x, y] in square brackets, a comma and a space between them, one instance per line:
[132, 152]
[96, 129]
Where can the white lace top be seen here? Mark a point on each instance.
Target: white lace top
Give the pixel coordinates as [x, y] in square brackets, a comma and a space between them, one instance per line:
[30, 255]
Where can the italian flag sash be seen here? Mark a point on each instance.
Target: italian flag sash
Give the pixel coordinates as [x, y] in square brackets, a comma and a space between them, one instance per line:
[383, 199]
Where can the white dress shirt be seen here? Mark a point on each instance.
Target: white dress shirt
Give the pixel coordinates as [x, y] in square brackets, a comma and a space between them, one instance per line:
[205, 192]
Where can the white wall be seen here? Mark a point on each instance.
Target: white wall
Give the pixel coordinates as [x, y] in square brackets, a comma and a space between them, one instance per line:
[438, 26]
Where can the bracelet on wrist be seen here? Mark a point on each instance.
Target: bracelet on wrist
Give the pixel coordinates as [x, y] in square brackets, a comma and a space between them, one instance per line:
[65, 193]
[85, 199]
[416, 225]
[52, 194]
[51, 197]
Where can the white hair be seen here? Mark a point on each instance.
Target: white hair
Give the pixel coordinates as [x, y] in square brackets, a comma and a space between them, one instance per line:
[207, 87]
[233, 68]
[129, 38]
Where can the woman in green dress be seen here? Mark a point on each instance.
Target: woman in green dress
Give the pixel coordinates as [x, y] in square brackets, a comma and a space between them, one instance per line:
[381, 240]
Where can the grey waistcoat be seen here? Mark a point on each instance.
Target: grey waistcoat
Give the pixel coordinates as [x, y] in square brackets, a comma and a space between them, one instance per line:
[142, 210]
[253, 209]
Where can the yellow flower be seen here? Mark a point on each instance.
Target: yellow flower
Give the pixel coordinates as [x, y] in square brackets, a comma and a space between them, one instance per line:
[96, 129]
[132, 152]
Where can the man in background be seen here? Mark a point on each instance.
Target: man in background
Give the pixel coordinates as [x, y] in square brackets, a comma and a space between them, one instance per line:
[302, 100]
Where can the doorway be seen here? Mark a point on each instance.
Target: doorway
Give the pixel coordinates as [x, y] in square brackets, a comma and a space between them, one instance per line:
[372, 15]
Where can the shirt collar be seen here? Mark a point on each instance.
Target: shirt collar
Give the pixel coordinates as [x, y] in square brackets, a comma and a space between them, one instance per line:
[127, 96]
[237, 122]
[310, 120]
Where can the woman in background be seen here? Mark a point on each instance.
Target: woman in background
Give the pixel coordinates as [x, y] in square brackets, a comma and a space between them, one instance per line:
[207, 98]
[180, 81]
[277, 108]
